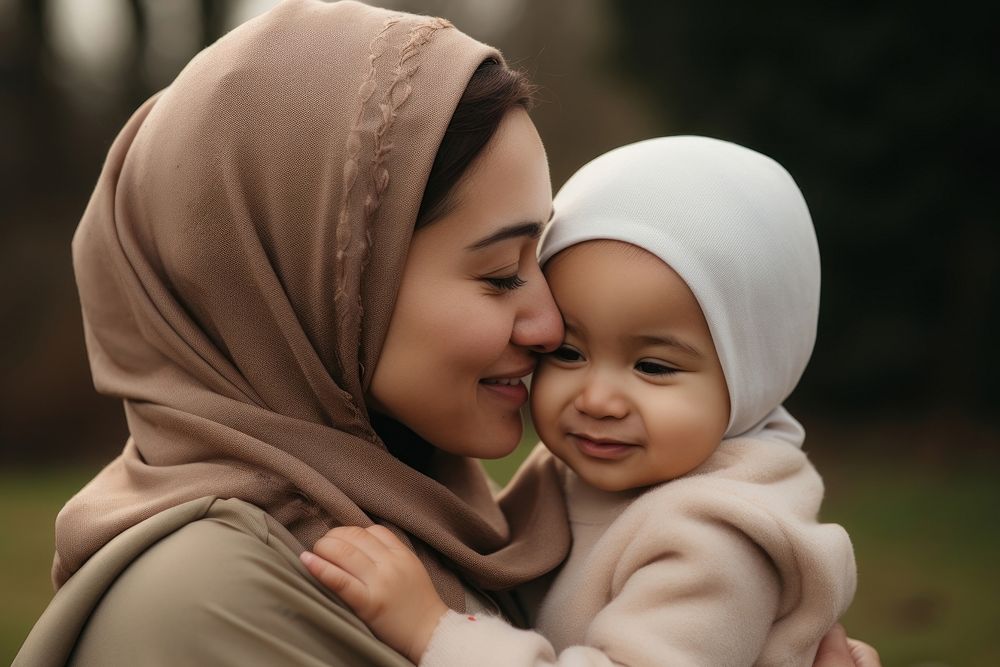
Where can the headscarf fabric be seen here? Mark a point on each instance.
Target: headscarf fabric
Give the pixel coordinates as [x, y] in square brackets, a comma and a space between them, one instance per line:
[237, 266]
[735, 227]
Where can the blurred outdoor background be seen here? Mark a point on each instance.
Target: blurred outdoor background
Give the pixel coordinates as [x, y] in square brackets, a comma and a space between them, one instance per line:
[885, 113]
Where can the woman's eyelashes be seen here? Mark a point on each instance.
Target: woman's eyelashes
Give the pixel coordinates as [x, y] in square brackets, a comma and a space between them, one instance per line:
[506, 283]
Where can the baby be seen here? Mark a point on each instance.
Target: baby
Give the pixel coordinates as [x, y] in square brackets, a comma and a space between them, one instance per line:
[687, 273]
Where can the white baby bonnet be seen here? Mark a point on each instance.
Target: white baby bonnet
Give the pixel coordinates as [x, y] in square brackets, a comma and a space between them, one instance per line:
[733, 224]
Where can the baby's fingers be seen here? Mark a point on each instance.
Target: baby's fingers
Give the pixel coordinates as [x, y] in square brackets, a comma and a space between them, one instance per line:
[348, 588]
[347, 555]
[386, 537]
[864, 655]
[362, 539]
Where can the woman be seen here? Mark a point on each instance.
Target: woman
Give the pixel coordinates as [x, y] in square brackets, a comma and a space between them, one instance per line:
[293, 355]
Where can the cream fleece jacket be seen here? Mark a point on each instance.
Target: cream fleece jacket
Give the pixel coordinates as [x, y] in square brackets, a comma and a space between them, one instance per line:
[727, 565]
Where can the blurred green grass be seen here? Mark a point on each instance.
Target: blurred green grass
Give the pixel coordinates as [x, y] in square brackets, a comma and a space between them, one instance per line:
[924, 531]
[29, 501]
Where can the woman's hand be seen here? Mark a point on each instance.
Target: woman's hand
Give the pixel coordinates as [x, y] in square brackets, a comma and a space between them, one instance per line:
[837, 650]
[382, 581]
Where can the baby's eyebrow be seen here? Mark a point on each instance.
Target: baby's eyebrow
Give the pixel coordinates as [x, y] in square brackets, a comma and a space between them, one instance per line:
[669, 341]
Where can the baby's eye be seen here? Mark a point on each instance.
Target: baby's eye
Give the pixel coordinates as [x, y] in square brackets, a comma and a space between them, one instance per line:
[648, 367]
[566, 353]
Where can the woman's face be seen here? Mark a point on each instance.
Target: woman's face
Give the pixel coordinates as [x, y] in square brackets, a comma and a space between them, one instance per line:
[473, 306]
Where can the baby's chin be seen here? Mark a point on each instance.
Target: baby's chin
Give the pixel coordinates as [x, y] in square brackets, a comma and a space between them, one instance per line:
[613, 484]
[606, 477]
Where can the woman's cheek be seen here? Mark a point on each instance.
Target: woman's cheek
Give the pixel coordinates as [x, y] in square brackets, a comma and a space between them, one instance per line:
[438, 313]
[473, 328]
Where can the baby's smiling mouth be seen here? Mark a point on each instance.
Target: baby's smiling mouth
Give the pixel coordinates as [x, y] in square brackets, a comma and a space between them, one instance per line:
[602, 448]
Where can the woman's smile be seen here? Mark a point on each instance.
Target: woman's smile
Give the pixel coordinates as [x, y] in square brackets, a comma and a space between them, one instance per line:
[510, 386]
[513, 391]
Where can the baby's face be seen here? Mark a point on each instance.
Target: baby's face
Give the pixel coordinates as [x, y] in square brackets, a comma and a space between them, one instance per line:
[635, 395]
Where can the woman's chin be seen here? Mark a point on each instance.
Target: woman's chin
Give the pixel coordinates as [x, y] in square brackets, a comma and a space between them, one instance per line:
[500, 450]
[490, 438]
[506, 435]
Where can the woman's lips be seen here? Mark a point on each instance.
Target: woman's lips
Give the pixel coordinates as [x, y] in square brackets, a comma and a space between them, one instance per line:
[516, 393]
[602, 449]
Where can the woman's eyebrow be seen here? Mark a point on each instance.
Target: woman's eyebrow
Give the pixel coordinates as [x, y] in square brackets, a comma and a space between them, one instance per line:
[529, 229]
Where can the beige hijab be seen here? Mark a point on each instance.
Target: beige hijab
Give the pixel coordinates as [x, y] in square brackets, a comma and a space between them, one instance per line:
[237, 266]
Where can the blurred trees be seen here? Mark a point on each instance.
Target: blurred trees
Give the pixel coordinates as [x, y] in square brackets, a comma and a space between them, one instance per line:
[55, 132]
[886, 114]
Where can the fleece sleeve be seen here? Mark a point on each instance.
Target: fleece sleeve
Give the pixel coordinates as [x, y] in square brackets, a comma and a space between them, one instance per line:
[711, 602]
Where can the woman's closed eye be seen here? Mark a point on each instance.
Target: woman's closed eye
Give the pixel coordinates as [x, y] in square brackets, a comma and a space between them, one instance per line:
[651, 367]
[506, 283]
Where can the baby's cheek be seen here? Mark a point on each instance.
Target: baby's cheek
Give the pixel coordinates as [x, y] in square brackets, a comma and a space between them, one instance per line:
[686, 433]
[546, 397]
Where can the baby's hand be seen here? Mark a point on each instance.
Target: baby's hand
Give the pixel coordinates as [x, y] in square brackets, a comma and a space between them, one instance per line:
[384, 582]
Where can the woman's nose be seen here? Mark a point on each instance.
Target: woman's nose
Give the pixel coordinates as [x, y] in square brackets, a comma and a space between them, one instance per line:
[538, 325]
[600, 398]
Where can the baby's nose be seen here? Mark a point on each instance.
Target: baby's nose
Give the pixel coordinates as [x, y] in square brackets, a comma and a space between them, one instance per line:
[601, 398]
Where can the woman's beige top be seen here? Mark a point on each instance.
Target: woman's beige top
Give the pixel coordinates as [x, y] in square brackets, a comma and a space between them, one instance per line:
[208, 582]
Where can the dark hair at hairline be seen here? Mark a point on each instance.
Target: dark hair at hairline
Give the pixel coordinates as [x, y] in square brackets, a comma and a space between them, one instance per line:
[493, 90]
